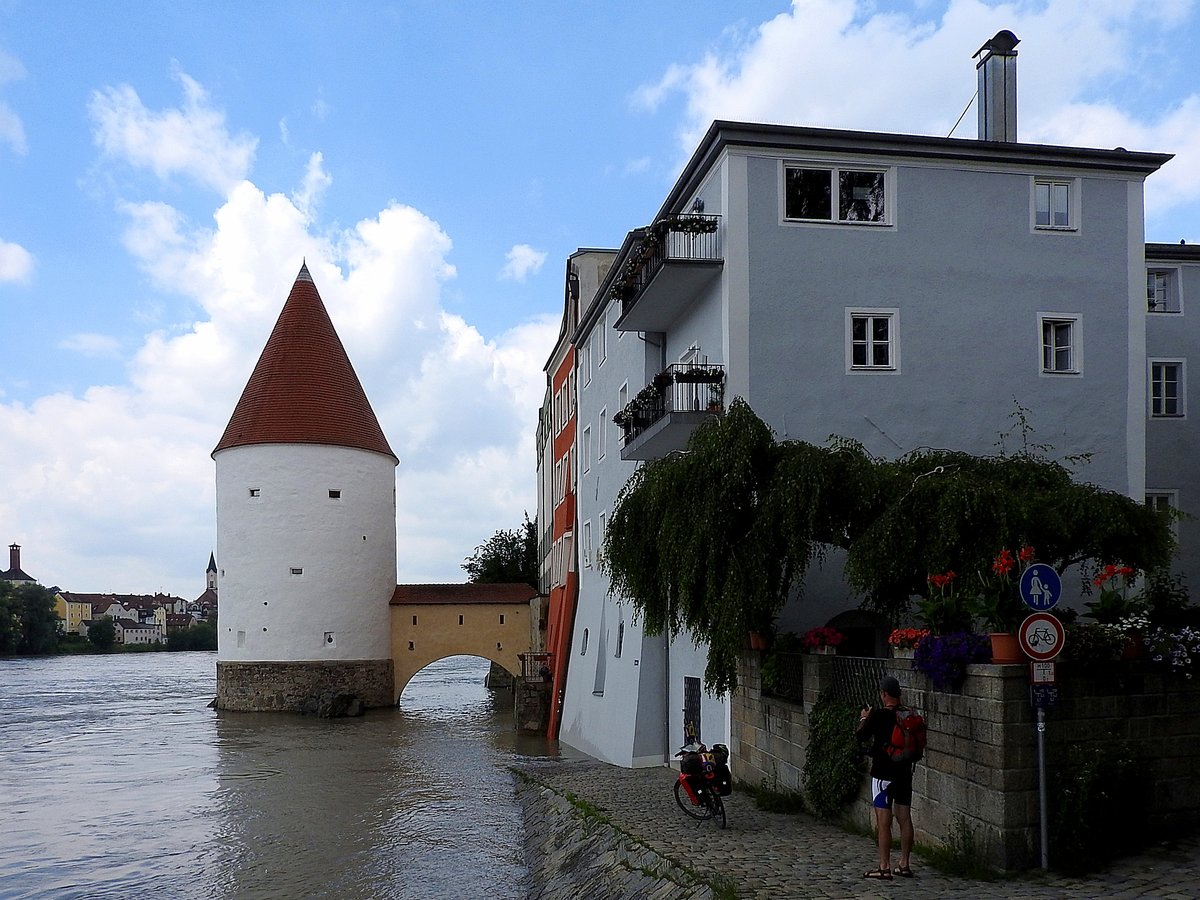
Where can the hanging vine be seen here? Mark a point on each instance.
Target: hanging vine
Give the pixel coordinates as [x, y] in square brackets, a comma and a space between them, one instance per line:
[714, 540]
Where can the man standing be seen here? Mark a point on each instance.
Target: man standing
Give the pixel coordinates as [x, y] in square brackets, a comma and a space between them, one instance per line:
[891, 781]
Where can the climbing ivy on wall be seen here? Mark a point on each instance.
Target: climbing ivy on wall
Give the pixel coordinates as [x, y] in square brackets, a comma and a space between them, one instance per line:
[715, 539]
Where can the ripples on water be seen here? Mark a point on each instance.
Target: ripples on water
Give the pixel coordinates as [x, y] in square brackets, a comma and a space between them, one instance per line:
[117, 781]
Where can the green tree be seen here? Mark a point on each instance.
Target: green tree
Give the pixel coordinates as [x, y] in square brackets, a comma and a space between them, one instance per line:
[28, 622]
[201, 636]
[508, 556]
[715, 540]
[103, 633]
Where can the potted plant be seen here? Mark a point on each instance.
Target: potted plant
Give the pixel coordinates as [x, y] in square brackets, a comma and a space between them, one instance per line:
[904, 641]
[822, 640]
[999, 606]
[1116, 607]
[944, 611]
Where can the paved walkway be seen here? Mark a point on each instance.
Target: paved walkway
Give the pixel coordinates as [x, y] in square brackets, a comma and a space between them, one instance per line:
[766, 855]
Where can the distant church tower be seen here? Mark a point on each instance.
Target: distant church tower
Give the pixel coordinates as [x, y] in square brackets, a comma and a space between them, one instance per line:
[210, 574]
[306, 525]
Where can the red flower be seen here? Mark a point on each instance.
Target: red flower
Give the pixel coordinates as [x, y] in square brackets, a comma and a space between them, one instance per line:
[1026, 553]
[1003, 563]
[940, 581]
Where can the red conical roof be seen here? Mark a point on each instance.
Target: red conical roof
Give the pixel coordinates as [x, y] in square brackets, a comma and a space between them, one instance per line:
[303, 389]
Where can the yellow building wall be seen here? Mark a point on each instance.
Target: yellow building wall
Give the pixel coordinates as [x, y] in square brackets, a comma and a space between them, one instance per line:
[423, 633]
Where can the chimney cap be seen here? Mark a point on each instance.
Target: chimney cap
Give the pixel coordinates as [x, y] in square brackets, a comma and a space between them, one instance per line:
[1001, 44]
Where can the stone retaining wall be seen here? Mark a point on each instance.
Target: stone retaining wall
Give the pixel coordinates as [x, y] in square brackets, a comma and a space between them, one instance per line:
[981, 766]
[284, 686]
[570, 856]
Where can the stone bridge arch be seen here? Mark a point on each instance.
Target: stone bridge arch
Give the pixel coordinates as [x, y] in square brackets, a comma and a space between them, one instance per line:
[433, 621]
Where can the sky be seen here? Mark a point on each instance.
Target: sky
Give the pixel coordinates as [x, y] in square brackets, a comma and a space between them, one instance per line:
[166, 167]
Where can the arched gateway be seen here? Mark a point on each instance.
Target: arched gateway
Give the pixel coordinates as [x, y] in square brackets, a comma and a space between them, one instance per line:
[433, 621]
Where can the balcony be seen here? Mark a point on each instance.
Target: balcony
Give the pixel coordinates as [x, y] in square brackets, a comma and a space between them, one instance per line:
[665, 270]
[662, 417]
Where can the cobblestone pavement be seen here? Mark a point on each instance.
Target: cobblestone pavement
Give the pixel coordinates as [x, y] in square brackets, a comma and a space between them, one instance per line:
[767, 855]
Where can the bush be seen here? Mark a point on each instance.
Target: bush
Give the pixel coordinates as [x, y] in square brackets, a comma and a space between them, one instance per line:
[1098, 805]
[833, 761]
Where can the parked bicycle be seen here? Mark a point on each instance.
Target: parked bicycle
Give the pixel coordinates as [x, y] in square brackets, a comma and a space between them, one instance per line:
[703, 781]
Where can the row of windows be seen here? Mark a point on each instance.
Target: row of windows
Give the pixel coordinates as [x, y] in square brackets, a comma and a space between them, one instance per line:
[563, 403]
[256, 493]
[595, 350]
[860, 195]
[872, 343]
[583, 644]
[462, 620]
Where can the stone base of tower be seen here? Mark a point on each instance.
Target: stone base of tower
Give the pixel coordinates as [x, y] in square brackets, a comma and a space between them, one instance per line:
[285, 686]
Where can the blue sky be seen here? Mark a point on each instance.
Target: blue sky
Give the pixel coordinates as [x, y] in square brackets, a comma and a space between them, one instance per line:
[164, 167]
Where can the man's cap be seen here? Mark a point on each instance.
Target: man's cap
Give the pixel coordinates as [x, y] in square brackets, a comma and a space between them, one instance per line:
[890, 685]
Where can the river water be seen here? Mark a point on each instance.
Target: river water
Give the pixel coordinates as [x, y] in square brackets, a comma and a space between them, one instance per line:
[118, 781]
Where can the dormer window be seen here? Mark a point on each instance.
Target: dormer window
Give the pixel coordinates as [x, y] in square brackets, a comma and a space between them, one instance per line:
[335, 494]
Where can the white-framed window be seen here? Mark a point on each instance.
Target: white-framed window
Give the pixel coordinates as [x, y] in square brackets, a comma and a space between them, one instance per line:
[872, 340]
[604, 338]
[586, 450]
[620, 640]
[586, 549]
[1167, 389]
[585, 364]
[1055, 204]
[602, 437]
[847, 194]
[583, 643]
[600, 538]
[1162, 290]
[1061, 343]
[255, 493]
[1164, 501]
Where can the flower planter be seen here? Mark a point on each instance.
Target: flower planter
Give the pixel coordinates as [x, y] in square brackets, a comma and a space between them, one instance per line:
[1006, 649]
[904, 652]
[826, 651]
[758, 641]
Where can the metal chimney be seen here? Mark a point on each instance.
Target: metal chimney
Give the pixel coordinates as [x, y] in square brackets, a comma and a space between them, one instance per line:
[998, 87]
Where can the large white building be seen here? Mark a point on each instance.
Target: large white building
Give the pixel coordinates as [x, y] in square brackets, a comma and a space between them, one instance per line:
[898, 290]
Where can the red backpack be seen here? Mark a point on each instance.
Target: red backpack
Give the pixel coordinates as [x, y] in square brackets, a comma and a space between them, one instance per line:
[907, 744]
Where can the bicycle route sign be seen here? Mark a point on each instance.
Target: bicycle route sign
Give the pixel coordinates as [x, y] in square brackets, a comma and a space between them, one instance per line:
[1040, 587]
[1041, 636]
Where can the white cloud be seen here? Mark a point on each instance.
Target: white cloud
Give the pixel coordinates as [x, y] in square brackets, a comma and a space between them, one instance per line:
[85, 344]
[522, 261]
[113, 489]
[12, 130]
[826, 63]
[316, 182]
[16, 263]
[192, 140]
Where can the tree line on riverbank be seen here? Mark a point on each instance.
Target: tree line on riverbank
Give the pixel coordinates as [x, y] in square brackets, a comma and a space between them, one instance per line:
[29, 626]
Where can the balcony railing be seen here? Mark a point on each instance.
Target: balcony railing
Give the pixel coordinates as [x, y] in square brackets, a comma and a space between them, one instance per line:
[680, 388]
[690, 243]
[535, 666]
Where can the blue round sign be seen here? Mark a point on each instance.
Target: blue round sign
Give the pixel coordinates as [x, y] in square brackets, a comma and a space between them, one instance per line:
[1040, 587]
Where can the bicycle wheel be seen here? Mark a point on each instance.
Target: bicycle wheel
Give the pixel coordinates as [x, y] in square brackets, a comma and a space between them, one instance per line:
[717, 807]
[700, 811]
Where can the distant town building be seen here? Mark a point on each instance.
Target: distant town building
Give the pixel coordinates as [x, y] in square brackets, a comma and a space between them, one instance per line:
[14, 572]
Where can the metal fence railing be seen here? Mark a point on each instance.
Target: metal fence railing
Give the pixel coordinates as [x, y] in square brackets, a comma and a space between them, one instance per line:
[856, 679]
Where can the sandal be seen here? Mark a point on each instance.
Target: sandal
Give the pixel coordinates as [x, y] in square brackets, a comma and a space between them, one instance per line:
[903, 872]
[881, 874]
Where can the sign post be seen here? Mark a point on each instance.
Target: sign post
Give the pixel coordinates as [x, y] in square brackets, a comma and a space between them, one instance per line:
[1041, 636]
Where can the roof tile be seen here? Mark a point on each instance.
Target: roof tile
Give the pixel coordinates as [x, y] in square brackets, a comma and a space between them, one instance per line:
[303, 389]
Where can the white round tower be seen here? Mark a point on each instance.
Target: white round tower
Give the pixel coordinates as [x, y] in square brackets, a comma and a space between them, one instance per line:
[306, 525]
